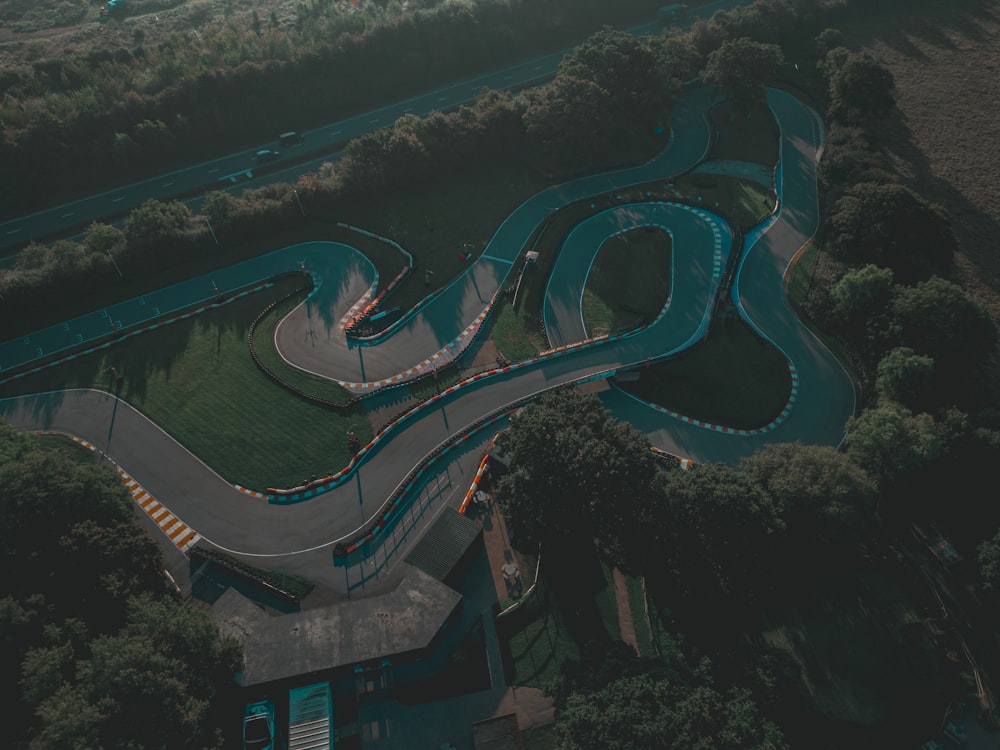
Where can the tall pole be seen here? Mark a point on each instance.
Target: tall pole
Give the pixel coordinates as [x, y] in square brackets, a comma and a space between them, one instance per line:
[115, 264]
[212, 231]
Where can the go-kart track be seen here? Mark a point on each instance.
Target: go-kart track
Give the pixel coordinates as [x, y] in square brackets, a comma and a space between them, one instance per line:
[298, 533]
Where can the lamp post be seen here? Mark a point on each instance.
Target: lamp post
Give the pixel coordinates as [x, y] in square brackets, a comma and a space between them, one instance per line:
[115, 264]
[212, 231]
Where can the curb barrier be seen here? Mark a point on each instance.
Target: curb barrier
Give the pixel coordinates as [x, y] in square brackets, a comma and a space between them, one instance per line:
[475, 482]
[245, 572]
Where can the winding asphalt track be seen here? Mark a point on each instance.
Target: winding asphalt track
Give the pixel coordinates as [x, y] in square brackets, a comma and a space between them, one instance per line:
[823, 398]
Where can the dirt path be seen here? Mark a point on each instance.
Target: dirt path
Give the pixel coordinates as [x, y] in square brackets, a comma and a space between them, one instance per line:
[625, 624]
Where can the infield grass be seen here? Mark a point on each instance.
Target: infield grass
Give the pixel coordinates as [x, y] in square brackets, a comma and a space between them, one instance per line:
[196, 380]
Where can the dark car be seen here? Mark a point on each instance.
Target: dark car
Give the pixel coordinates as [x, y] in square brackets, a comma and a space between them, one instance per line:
[266, 155]
[258, 726]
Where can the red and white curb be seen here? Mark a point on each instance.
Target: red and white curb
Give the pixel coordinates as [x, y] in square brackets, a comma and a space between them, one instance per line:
[251, 493]
[357, 307]
[441, 357]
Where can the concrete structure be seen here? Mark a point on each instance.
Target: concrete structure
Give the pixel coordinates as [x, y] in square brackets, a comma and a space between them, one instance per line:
[402, 624]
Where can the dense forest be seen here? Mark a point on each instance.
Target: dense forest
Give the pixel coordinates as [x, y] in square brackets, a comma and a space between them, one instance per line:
[98, 648]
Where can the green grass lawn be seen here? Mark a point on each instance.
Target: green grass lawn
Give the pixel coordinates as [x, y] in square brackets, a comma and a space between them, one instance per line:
[572, 604]
[743, 136]
[430, 386]
[640, 622]
[516, 335]
[629, 282]
[744, 202]
[802, 271]
[268, 353]
[197, 381]
[732, 378]
[540, 738]
[537, 639]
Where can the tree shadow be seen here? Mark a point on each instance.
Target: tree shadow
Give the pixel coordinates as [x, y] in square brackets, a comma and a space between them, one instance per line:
[573, 572]
[974, 228]
[126, 367]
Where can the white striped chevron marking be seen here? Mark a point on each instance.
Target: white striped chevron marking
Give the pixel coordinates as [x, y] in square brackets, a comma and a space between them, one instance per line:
[178, 532]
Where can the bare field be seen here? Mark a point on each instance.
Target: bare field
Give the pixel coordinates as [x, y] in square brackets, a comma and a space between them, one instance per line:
[945, 57]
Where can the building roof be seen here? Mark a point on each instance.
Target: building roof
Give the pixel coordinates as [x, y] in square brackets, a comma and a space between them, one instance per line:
[442, 546]
[279, 646]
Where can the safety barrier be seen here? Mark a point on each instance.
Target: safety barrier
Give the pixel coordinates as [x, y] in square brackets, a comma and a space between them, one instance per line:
[475, 484]
[356, 328]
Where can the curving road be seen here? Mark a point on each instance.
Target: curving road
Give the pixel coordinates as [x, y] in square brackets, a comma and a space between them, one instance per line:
[299, 536]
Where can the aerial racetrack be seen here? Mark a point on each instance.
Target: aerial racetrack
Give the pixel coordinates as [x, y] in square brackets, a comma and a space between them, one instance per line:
[294, 528]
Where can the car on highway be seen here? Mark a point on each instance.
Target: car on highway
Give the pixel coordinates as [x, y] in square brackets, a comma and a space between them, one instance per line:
[258, 726]
[266, 155]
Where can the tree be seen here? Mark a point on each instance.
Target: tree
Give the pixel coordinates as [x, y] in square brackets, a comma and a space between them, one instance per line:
[822, 497]
[848, 159]
[103, 565]
[741, 69]
[95, 649]
[571, 121]
[890, 442]
[640, 713]
[941, 320]
[574, 470]
[862, 305]
[708, 535]
[154, 220]
[219, 207]
[627, 67]
[42, 495]
[603, 662]
[34, 256]
[679, 56]
[861, 88]
[153, 685]
[829, 39]
[891, 226]
[988, 557]
[14, 443]
[905, 377]
[101, 239]
[155, 139]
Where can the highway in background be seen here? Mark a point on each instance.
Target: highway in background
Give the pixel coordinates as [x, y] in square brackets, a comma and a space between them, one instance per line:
[242, 170]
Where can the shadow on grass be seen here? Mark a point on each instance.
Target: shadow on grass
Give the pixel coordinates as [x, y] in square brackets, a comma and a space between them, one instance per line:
[733, 378]
[555, 621]
[126, 367]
